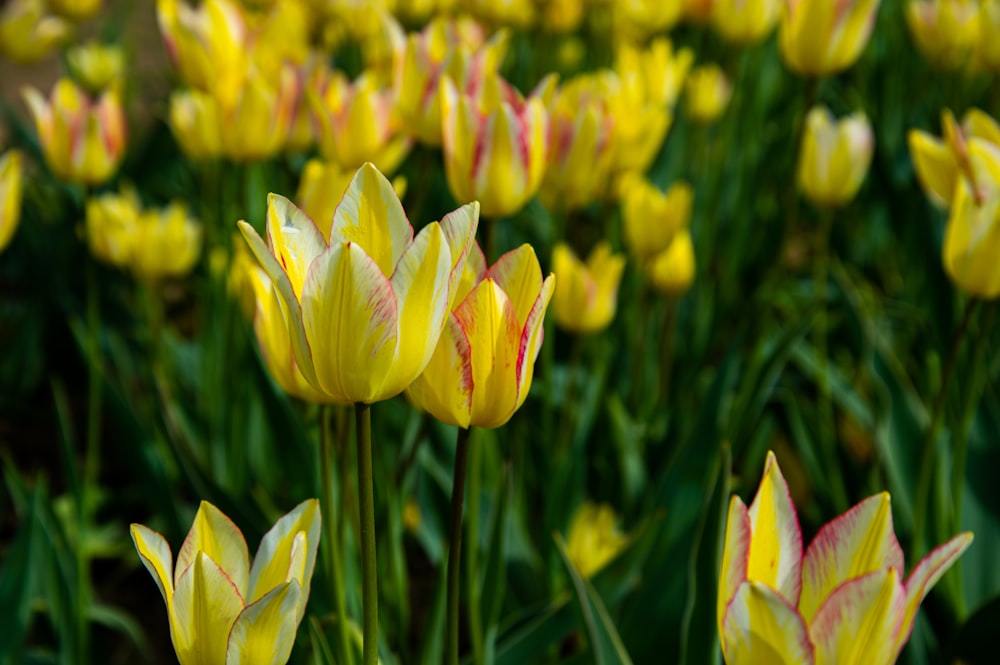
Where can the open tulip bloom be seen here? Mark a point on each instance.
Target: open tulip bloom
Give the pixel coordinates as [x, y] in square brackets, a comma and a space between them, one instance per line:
[222, 610]
[844, 601]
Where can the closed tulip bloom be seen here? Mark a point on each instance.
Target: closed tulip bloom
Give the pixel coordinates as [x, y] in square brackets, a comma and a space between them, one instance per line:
[97, 66]
[481, 370]
[594, 538]
[708, 93]
[222, 609]
[844, 601]
[835, 157]
[652, 218]
[83, 139]
[586, 295]
[257, 123]
[11, 192]
[496, 142]
[745, 22]
[561, 16]
[76, 10]
[654, 75]
[167, 243]
[946, 32]
[940, 163]
[972, 239]
[28, 32]
[364, 301]
[671, 272]
[824, 37]
[111, 222]
[195, 123]
[636, 20]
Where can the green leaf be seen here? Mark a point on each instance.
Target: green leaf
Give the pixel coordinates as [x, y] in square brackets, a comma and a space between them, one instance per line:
[494, 577]
[17, 579]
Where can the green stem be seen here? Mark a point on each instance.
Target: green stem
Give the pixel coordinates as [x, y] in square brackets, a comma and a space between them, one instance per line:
[668, 344]
[930, 440]
[333, 542]
[455, 542]
[639, 348]
[472, 555]
[569, 411]
[366, 507]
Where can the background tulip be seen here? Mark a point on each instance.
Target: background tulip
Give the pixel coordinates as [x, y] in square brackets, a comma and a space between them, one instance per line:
[586, 294]
[11, 191]
[745, 21]
[972, 239]
[708, 93]
[28, 32]
[941, 163]
[945, 31]
[594, 538]
[834, 158]
[167, 243]
[824, 37]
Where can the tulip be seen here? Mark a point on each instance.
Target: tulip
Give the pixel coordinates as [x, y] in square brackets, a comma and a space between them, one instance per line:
[946, 32]
[495, 142]
[83, 140]
[322, 187]
[258, 122]
[671, 272]
[651, 218]
[421, 12]
[517, 13]
[111, 221]
[972, 239]
[28, 32]
[843, 601]
[221, 609]
[636, 20]
[745, 22]
[708, 92]
[76, 10]
[941, 163]
[655, 75]
[481, 370]
[561, 16]
[988, 48]
[97, 66]
[594, 538]
[11, 192]
[824, 37]
[364, 301]
[586, 295]
[194, 121]
[835, 157]
[167, 243]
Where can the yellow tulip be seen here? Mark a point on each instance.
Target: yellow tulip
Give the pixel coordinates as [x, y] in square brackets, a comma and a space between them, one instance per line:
[111, 222]
[972, 239]
[988, 48]
[946, 32]
[365, 305]
[167, 243]
[745, 22]
[940, 163]
[495, 142]
[195, 123]
[594, 538]
[421, 12]
[824, 37]
[835, 157]
[322, 187]
[586, 295]
[356, 125]
[517, 13]
[447, 46]
[28, 32]
[97, 66]
[635, 20]
[651, 218]
[708, 92]
[257, 124]
[76, 10]
[560, 16]
[481, 371]
[83, 139]
[223, 610]
[844, 601]
[672, 271]
[11, 192]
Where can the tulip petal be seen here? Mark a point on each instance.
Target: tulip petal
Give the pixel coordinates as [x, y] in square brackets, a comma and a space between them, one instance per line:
[735, 556]
[294, 239]
[371, 216]
[970, 242]
[445, 387]
[531, 339]
[776, 547]
[206, 604]
[518, 274]
[859, 622]
[458, 133]
[350, 317]
[935, 165]
[459, 228]
[215, 534]
[265, 631]
[760, 626]
[856, 543]
[277, 554]
[155, 554]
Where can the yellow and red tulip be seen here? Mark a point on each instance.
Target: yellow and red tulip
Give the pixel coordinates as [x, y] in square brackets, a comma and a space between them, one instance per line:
[745, 21]
[594, 538]
[835, 157]
[97, 66]
[83, 139]
[941, 163]
[481, 371]
[586, 295]
[707, 93]
[844, 600]
[11, 193]
[496, 142]
[824, 37]
[221, 608]
[28, 32]
[946, 32]
[972, 239]
[364, 301]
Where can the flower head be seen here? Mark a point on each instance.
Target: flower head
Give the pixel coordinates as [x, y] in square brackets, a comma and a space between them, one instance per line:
[945, 31]
[586, 295]
[97, 66]
[708, 92]
[745, 21]
[11, 192]
[824, 37]
[942, 163]
[835, 157]
[28, 32]
[594, 538]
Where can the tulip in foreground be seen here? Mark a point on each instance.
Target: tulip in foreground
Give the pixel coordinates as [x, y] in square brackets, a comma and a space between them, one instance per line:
[824, 37]
[222, 610]
[10, 195]
[844, 601]
[586, 295]
[835, 157]
[364, 301]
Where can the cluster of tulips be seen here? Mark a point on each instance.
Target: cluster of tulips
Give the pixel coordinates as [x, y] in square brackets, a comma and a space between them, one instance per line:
[352, 306]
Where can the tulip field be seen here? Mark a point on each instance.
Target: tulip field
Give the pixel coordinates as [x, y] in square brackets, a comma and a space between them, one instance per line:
[499, 332]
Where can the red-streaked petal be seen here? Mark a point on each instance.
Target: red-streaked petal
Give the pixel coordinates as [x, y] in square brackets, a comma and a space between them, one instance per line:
[518, 274]
[217, 536]
[155, 555]
[206, 604]
[776, 545]
[735, 556]
[760, 626]
[445, 387]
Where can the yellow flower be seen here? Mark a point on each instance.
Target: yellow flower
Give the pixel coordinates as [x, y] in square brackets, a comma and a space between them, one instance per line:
[708, 92]
[745, 21]
[83, 140]
[28, 32]
[363, 300]
[222, 609]
[194, 121]
[835, 157]
[671, 272]
[421, 12]
[518, 13]
[652, 218]
[972, 239]
[843, 601]
[940, 163]
[988, 48]
[561, 16]
[586, 295]
[111, 222]
[258, 122]
[635, 20]
[824, 37]
[356, 125]
[76, 10]
[945, 31]
[594, 538]
[495, 142]
[11, 192]
[167, 243]
[97, 66]
[481, 371]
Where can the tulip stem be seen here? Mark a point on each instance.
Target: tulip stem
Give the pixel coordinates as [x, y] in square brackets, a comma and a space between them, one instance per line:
[455, 542]
[332, 538]
[930, 439]
[366, 506]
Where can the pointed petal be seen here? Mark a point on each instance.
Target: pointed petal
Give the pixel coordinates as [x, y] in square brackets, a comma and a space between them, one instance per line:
[278, 551]
[935, 165]
[761, 627]
[459, 228]
[531, 339]
[265, 631]
[206, 604]
[735, 556]
[776, 546]
[294, 239]
[518, 274]
[445, 387]
[155, 555]
[215, 534]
